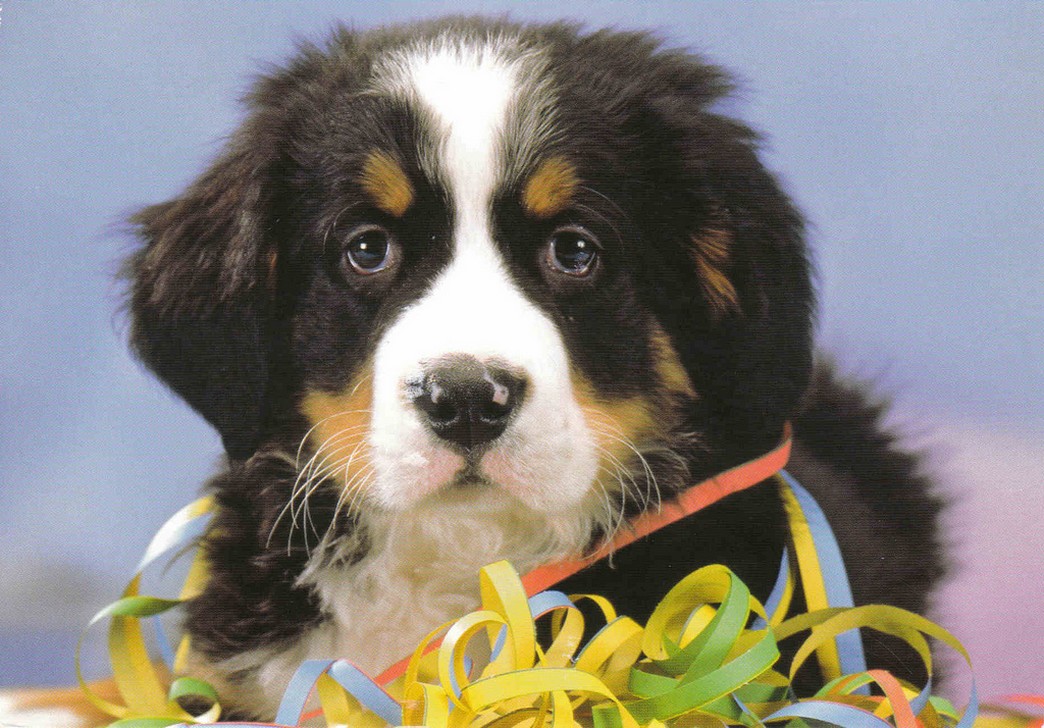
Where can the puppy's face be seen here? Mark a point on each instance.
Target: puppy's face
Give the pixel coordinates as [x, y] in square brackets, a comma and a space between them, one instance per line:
[513, 262]
[469, 321]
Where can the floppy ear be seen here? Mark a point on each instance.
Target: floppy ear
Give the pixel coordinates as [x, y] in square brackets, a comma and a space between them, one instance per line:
[739, 300]
[198, 296]
[754, 277]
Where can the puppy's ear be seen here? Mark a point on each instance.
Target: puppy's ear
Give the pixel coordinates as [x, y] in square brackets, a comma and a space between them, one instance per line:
[743, 326]
[199, 296]
[750, 260]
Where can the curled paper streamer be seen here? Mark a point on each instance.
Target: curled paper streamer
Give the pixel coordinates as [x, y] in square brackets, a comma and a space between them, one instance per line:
[696, 661]
[708, 655]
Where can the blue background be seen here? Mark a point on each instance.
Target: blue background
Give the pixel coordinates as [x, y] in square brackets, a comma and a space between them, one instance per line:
[910, 134]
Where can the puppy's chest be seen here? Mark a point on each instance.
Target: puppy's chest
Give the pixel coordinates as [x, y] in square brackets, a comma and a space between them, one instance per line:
[378, 609]
[377, 615]
[420, 571]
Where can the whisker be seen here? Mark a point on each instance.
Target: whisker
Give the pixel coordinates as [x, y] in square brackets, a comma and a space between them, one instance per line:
[620, 472]
[351, 484]
[615, 206]
[313, 428]
[349, 495]
[605, 426]
[294, 491]
[359, 383]
[620, 469]
[333, 223]
[326, 468]
[615, 517]
[304, 483]
[358, 484]
[340, 463]
[345, 464]
[609, 525]
[595, 213]
[347, 433]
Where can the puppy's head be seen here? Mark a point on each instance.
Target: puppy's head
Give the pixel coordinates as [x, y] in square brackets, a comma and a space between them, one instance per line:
[480, 256]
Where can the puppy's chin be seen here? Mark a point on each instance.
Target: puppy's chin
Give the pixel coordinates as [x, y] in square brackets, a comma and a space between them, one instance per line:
[464, 496]
[484, 522]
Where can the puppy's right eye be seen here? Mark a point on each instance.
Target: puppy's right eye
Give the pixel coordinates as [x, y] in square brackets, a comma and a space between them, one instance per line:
[572, 250]
[370, 249]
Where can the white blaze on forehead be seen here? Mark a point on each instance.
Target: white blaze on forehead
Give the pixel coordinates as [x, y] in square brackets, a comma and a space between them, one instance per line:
[469, 90]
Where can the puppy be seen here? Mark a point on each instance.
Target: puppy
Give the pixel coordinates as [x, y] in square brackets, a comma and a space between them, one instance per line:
[470, 290]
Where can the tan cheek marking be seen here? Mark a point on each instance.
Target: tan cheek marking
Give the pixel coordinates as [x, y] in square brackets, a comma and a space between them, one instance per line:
[617, 425]
[340, 425]
[385, 182]
[712, 255]
[669, 366]
[551, 188]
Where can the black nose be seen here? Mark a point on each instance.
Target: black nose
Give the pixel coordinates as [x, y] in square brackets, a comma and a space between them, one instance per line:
[465, 401]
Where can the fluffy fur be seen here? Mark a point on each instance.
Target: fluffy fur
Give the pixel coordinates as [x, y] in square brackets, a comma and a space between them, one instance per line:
[472, 290]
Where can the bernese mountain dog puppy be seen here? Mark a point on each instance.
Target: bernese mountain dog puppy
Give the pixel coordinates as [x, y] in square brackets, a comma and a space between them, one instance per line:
[473, 290]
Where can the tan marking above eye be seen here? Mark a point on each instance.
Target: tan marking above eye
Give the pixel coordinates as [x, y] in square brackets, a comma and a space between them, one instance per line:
[551, 187]
[386, 183]
[712, 256]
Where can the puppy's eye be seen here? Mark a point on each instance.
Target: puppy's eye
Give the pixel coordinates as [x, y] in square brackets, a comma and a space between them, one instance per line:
[370, 249]
[573, 251]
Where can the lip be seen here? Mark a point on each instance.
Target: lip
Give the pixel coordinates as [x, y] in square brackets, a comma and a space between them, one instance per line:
[470, 478]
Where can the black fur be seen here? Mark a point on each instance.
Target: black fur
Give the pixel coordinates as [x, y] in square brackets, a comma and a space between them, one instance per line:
[241, 341]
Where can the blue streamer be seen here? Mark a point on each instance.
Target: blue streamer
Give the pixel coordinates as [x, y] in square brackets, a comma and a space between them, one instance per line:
[542, 603]
[297, 692]
[778, 589]
[835, 714]
[366, 691]
[835, 578]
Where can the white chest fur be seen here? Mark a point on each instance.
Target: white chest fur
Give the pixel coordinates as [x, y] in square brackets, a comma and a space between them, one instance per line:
[420, 571]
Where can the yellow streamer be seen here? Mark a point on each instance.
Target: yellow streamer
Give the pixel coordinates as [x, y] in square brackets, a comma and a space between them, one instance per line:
[696, 663]
[811, 578]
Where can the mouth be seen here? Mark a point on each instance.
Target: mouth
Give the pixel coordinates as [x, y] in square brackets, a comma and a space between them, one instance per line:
[470, 478]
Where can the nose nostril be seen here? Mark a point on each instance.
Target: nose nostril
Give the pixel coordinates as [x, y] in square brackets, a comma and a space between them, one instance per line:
[444, 411]
[493, 413]
[437, 405]
[466, 402]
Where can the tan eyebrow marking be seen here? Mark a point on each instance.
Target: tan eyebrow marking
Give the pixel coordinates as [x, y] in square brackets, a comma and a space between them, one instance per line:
[550, 189]
[386, 183]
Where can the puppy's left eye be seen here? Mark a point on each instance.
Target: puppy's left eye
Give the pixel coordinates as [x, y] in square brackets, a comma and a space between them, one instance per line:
[573, 251]
[370, 249]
